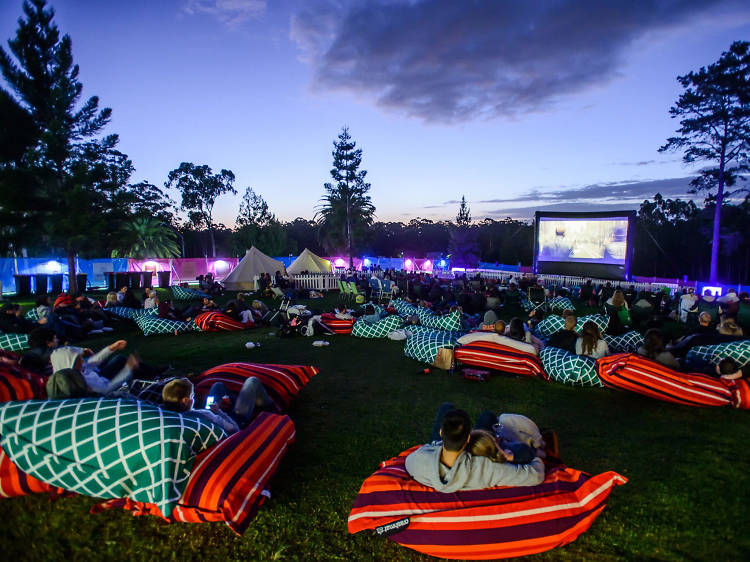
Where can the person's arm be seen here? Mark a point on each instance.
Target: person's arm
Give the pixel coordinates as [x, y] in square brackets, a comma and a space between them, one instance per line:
[102, 356]
[487, 473]
[224, 420]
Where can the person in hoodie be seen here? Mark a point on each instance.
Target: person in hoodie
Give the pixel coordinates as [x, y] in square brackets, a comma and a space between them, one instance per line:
[94, 367]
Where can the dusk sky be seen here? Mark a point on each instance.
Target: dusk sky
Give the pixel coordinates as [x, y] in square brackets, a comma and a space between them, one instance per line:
[519, 106]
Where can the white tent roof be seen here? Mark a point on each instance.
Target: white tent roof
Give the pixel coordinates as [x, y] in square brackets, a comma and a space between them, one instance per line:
[307, 261]
[254, 263]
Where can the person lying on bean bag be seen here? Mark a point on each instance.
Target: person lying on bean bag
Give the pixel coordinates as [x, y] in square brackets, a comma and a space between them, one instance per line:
[499, 338]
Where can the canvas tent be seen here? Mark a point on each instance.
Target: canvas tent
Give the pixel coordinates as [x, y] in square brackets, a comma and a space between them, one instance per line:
[307, 261]
[253, 264]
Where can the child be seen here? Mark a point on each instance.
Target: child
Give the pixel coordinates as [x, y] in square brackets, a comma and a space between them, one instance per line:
[178, 396]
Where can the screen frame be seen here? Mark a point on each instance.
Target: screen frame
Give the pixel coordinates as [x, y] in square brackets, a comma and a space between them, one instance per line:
[582, 269]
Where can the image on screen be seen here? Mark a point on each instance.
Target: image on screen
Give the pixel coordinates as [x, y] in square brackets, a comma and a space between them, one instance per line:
[590, 240]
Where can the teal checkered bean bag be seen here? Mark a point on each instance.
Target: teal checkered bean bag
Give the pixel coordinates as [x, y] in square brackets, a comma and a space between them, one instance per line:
[106, 448]
[379, 329]
[131, 313]
[450, 322]
[416, 330]
[599, 319]
[378, 309]
[549, 326]
[424, 346]
[150, 324]
[569, 368]
[185, 294]
[737, 350]
[403, 308]
[628, 342]
[32, 315]
[423, 313]
[14, 342]
[558, 304]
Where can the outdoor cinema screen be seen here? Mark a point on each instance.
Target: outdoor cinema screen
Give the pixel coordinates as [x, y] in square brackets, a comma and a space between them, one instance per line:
[591, 244]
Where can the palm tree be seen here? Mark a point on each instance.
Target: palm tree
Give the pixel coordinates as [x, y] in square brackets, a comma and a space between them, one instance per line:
[146, 237]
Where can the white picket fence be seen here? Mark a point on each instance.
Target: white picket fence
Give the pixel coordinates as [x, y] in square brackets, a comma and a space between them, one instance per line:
[316, 282]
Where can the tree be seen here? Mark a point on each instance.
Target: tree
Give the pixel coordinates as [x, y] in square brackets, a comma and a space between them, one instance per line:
[70, 175]
[463, 218]
[146, 237]
[254, 210]
[464, 241]
[347, 209]
[258, 226]
[200, 188]
[714, 113]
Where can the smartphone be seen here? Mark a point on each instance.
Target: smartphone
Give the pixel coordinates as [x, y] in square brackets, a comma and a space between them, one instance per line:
[209, 402]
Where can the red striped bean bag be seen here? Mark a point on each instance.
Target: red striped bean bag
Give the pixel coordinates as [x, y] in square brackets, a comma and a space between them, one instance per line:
[228, 481]
[282, 382]
[219, 322]
[14, 482]
[480, 524]
[19, 384]
[740, 393]
[337, 325]
[629, 371]
[501, 358]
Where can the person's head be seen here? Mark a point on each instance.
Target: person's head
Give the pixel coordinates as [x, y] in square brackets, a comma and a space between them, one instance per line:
[570, 322]
[369, 310]
[124, 289]
[568, 312]
[500, 327]
[112, 298]
[618, 298]
[42, 338]
[67, 357]
[728, 327]
[590, 335]
[256, 304]
[241, 297]
[42, 300]
[455, 430]
[727, 368]
[704, 319]
[482, 444]
[516, 329]
[66, 383]
[178, 395]
[653, 342]
[10, 308]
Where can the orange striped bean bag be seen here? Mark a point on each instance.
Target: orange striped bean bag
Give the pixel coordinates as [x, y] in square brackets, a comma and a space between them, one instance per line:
[480, 524]
[19, 384]
[14, 482]
[218, 322]
[337, 325]
[500, 358]
[228, 482]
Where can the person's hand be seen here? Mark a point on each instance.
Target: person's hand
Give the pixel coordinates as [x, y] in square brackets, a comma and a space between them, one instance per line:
[132, 362]
[508, 454]
[214, 408]
[119, 345]
[43, 320]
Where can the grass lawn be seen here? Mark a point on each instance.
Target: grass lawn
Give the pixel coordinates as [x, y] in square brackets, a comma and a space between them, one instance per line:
[688, 495]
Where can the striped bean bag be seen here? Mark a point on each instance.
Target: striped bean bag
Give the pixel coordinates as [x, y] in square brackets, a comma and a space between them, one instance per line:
[107, 448]
[559, 304]
[494, 523]
[282, 382]
[185, 294]
[628, 371]
[14, 482]
[337, 325]
[599, 319]
[150, 325]
[549, 326]
[218, 322]
[424, 346]
[737, 350]
[740, 393]
[379, 329]
[628, 342]
[229, 481]
[569, 368]
[131, 313]
[499, 357]
[449, 322]
[14, 342]
[19, 384]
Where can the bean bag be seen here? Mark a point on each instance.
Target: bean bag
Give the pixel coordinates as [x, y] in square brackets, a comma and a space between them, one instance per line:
[14, 482]
[569, 368]
[499, 357]
[379, 329]
[628, 342]
[131, 313]
[599, 319]
[282, 382]
[629, 371]
[424, 346]
[404, 308]
[450, 321]
[740, 393]
[337, 325]
[498, 522]
[218, 322]
[19, 384]
[549, 326]
[737, 350]
[559, 304]
[32, 315]
[107, 448]
[229, 481]
[423, 314]
[14, 342]
[150, 325]
[185, 294]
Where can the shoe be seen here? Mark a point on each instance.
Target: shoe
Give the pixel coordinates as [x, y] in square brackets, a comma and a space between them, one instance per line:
[107, 329]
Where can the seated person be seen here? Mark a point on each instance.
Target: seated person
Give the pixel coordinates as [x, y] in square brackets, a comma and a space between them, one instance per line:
[728, 370]
[177, 396]
[167, 311]
[370, 316]
[518, 331]
[619, 316]
[499, 337]
[446, 466]
[565, 338]
[130, 300]
[512, 295]
[209, 305]
[12, 320]
[705, 334]
[705, 324]
[112, 300]
[42, 342]
[590, 342]
[101, 378]
[151, 300]
[259, 309]
[654, 348]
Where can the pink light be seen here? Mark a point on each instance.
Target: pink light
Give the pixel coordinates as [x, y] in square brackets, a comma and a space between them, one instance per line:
[427, 265]
[220, 266]
[340, 262]
[408, 264]
[150, 265]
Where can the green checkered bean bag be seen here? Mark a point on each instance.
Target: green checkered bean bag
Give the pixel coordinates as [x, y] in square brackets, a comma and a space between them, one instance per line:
[378, 309]
[14, 342]
[424, 346]
[32, 315]
[379, 329]
[416, 330]
[423, 313]
[450, 322]
[599, 319]
[106, 448]
[403, 308]
[558, 304]
[628, 342]
[185, 294]
[549, 326]
[737, 350]
[151, 324]
[569, 368]
[131, 313]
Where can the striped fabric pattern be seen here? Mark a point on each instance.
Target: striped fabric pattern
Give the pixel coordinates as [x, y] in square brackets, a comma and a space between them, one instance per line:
[737, 350]
[379, 329]
[481, 524]
[19, 384]
[228, 480]
[108, 448]
[282, 382]
[337, 325]
[499, 357]
[151, 325]
[628, 342]
[740, 393]
[186, 294]
[14, 482]
[628, 371]
[424, 345]
[558, 304]
[569, 368]
[14, 342]
[218, 322]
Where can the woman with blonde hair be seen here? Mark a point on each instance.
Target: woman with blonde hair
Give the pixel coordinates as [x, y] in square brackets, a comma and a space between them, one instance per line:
[112, 300]
[591, 343]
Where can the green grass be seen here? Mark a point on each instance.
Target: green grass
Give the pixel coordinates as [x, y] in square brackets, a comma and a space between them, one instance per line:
[687, 497]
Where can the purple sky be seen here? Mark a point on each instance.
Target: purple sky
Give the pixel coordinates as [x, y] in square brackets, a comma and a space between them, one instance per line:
[555, 105]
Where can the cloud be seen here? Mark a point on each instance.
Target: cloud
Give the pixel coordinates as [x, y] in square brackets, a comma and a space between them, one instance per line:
[229, 12]
[448, 61]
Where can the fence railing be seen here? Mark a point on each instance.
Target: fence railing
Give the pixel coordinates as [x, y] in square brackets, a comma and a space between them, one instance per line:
[319, 282]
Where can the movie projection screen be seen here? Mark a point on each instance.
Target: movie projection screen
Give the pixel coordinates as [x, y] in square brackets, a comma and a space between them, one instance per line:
[584, 244]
